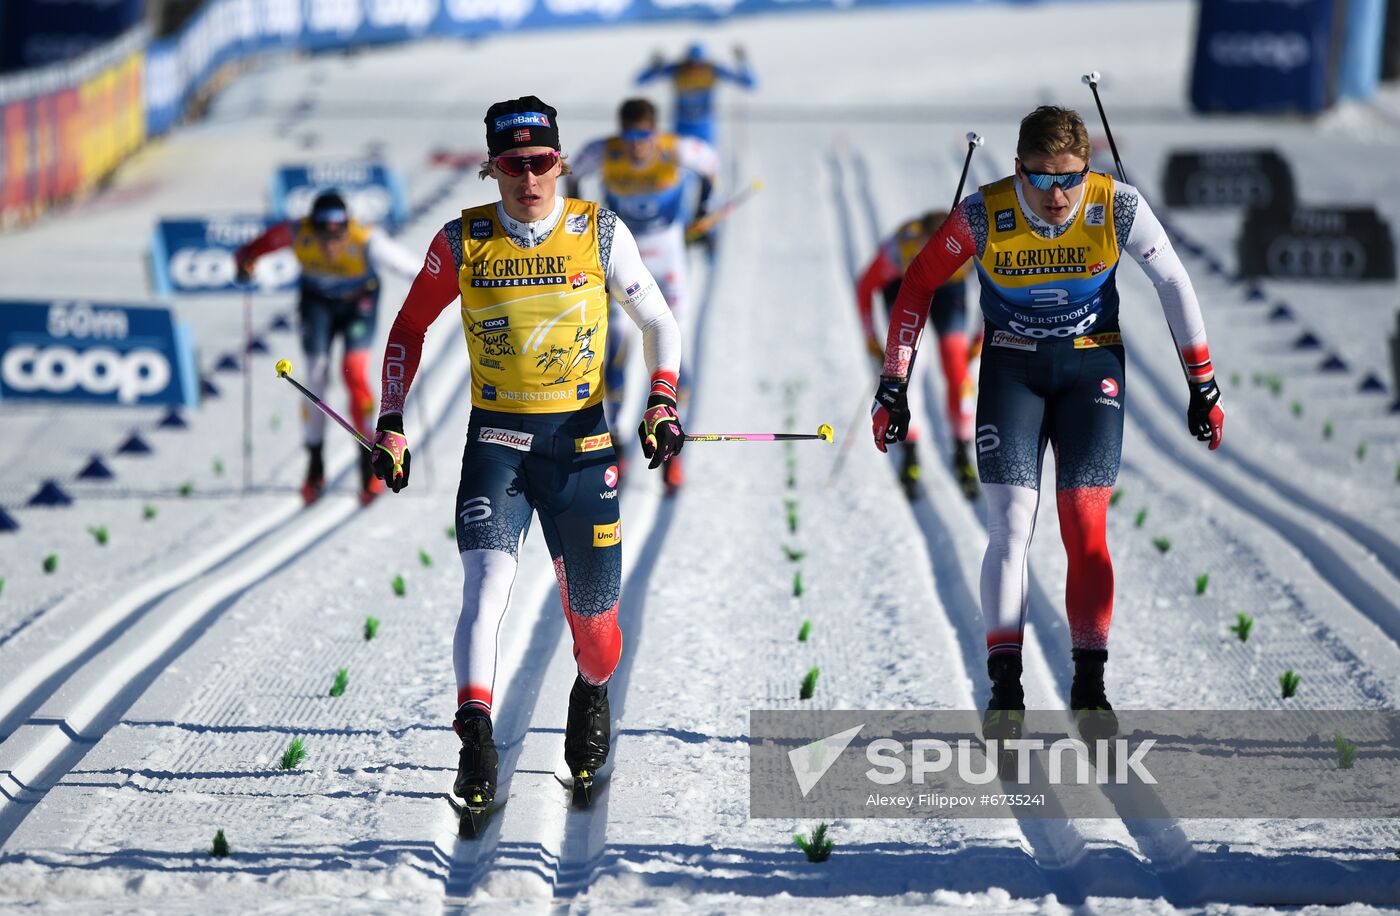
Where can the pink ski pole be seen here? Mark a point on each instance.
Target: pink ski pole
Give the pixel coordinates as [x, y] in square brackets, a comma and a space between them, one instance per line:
[824, 433]
[284, 370]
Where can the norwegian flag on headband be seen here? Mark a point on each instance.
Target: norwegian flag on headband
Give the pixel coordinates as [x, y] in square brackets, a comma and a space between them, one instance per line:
[522, 135]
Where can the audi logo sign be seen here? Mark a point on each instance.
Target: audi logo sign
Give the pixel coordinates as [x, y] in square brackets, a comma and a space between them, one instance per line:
[1228, 178]
[1333, 258]
[1317, 243]
[106, 354]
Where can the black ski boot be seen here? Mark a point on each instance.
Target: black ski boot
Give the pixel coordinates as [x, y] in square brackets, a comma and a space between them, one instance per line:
[1005, 718]
[587, 736]
[909, 470]
[965, 471]
[315, 475]
[1006, 711]
[1092, 712]
[476, 767]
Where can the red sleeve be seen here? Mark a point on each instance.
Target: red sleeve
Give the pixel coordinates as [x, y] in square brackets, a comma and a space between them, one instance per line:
[878, 274]
[432, 291]
[1197, 360]
[939, 259]
[277, 236]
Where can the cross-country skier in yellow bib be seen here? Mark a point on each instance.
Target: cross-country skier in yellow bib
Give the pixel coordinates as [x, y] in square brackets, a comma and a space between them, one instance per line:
[534, 272]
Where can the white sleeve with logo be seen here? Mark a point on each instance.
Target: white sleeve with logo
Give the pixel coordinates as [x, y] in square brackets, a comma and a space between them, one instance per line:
[386, 254]
[634, 288]
[1147, 242]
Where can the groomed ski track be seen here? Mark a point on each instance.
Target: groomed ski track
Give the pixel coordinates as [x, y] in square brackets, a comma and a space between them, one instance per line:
[127, 741]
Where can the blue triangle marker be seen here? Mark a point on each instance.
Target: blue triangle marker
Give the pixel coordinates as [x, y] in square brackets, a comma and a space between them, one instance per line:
[50, 494]
[134, 445]
[280, 323]
[7, 521]
[1372, 383]
[1256, 294]
[1333, 363]
[208, 389]
[1308, 341]
[96, 469]
[228, 363]
[172, 420]
[1281, 312]
[257, 346]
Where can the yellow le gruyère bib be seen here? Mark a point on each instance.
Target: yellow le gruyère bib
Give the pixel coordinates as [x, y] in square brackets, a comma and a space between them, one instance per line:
[1042, 287]
[350, 268]
[536, 319]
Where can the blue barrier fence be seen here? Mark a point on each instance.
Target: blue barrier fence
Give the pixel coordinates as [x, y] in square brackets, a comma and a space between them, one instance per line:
[226, 31]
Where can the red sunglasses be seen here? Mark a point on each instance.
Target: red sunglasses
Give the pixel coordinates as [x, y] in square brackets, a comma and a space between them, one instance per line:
[538, 163]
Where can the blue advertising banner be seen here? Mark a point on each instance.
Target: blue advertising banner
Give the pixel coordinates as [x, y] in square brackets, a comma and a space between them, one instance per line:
[225, 31]
[105, 354]
[1265, 55]
[374, 192]
[195, 255]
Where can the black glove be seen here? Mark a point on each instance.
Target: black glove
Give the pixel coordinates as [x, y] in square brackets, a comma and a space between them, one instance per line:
[662, 436]
[390, 457]
[1204, 415]
[889, 415]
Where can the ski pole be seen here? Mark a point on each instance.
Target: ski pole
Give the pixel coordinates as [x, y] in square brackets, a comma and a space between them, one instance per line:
[284, 370]
[1091, 79]
[974, 140]
[704, 224]
[247, 390]
[824, 433]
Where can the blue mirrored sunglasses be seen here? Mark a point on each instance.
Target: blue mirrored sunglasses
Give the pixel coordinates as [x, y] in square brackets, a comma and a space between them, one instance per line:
[1044, 181]
[638, 135]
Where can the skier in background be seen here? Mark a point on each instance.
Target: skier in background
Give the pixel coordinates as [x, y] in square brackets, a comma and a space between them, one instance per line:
[695, 78]
[647, 176]
[534, 271]
[340, 259]
[948, 308]
[1047, 242]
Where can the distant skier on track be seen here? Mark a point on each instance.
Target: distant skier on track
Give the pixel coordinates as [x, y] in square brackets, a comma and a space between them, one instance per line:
[534, 271]
[948, 308]
[340, 263]
[646, 176]
[1047, 243]
[696, 77]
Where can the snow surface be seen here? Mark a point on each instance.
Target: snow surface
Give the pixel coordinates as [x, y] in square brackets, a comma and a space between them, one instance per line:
[150, 686]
